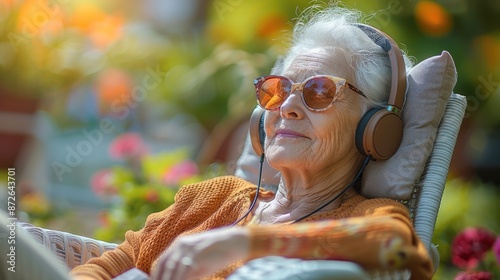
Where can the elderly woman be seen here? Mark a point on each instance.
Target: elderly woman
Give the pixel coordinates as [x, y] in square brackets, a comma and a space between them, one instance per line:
[331, 76]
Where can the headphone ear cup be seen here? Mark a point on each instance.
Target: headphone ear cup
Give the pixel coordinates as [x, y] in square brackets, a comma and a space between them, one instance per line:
[257, 133]
[360, 130]
[379, 133]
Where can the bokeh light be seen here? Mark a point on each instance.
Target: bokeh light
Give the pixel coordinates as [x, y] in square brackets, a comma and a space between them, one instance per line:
[432, 18]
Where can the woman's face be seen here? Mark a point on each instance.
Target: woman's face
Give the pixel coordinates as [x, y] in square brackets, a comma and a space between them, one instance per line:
[302, 139]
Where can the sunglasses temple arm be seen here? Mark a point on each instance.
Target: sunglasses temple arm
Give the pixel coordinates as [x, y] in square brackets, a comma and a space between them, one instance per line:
[353, 88]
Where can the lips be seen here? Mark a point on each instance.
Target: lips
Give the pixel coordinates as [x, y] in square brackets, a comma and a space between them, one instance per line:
[288, 133]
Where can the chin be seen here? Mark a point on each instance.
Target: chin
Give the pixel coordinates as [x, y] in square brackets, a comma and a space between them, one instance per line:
[277, 159]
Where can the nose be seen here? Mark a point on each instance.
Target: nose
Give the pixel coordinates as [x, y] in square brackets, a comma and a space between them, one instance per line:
[293, 107]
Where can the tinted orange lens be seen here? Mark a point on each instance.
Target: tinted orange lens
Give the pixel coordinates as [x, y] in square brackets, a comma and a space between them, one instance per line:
[273, 92]
[319, 92]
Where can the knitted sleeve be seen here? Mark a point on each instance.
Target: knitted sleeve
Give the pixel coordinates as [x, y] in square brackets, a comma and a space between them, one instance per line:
[127, 255]
[198, 207]
[378, 236]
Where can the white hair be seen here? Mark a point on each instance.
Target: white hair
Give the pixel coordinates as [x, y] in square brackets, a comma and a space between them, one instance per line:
[334, 27]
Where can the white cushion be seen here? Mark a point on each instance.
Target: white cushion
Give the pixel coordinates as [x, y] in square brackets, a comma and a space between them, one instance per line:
[430, 84]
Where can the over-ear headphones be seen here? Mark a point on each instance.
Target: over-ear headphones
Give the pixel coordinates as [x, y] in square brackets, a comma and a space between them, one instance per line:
[380, 130]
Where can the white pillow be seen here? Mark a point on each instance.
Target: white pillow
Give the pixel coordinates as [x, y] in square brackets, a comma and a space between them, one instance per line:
[430, 84]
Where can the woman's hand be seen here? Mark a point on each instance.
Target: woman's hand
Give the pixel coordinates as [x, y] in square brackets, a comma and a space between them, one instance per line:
[202, 254]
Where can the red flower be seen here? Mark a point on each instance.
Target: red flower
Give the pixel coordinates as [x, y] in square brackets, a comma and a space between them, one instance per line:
[496, 250]
[469, 247]
[128, 145]
[474, 275]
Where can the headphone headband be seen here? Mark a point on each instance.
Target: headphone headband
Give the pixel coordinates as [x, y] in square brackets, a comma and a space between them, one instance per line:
[398, 69]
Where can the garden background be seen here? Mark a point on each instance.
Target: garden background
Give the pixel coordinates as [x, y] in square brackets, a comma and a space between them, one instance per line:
[107, 107]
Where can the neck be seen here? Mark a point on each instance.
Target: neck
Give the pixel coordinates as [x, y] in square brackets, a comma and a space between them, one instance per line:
[302, 192]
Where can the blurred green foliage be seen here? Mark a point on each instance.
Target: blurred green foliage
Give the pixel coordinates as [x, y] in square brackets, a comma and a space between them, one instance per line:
[464, 204]
[30, 204]
[140, 187]
[209, 72]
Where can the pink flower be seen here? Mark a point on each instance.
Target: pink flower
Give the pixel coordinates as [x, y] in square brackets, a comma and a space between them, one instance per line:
[127, 145]
[102, 183]
[468, 247]
[474, 275]
[496, 249]
[179, 172]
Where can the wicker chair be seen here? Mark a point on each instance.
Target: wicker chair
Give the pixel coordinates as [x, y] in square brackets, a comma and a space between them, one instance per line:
[72, 250]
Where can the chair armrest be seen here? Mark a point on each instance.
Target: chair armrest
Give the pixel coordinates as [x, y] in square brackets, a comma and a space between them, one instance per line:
[71, 249]
[280, 268]
[25, 259]
[277, 268]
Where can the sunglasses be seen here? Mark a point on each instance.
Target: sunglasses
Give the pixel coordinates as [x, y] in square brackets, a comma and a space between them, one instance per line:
[318, 92]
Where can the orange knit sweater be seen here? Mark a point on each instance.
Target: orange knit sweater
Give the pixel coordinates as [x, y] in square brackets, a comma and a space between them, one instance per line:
[375, 233]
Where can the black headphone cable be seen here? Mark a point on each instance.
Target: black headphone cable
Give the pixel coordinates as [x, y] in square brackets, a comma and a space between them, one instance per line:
[356, 178]
[256, 194]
